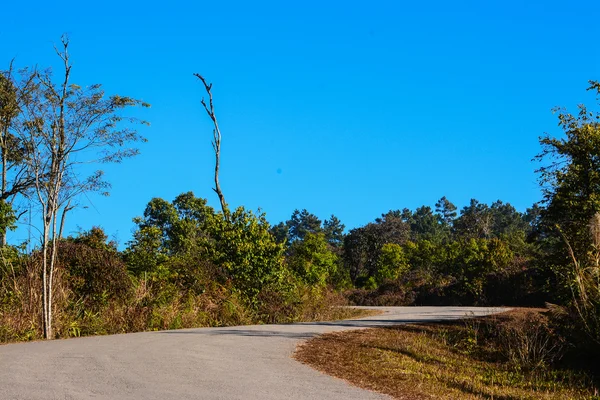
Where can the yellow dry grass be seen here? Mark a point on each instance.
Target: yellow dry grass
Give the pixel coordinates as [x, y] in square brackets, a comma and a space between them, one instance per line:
[438, 361]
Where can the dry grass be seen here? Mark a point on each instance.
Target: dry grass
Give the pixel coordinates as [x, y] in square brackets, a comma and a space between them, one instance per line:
[461, 360]
[340, 313]
[20, 304]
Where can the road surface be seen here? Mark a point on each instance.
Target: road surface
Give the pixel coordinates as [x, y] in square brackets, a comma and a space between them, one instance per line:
[243, 362]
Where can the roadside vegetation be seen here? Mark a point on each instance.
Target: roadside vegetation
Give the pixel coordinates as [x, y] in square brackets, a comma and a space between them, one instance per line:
[190, 265]
[514, 355]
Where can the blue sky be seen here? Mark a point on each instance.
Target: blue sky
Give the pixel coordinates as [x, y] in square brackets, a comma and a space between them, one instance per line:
[352, 108]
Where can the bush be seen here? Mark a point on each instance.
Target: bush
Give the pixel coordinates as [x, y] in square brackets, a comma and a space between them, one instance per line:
[391, 293]
[95, 276]
[528, 340]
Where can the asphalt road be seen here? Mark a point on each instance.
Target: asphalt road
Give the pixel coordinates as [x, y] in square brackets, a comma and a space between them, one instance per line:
[243, 362]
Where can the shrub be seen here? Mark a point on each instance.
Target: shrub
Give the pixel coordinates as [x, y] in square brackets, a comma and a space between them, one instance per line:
[528, 340]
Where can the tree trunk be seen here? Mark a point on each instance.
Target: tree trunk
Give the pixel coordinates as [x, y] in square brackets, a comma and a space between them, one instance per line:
[46, 323]
[216, 143]
[4, 172]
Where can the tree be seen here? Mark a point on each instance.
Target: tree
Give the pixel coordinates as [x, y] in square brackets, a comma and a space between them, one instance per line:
[240, 246]
[426, 225]
[334, 231]
[64, 126]
[475, 259]
[533, 218]
[14, 177]
[446, 210]
[507, 220]
[216, 142]
[301, 223]
[392, 228]
[362, 246]
[95, 270]
[475, 221]
[392, 263]
[312, 260]
[571, 193]
[281, 232]
[571, 179]
[171, 229]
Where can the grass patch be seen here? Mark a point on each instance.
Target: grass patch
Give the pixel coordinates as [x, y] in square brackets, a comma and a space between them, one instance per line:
[510, 356]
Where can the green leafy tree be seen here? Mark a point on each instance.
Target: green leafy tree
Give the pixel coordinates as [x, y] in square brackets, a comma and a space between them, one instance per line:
[14, 176]
[475, 260]
[392, 263]
[240, 246]
[312, 260]
[247, 251]
[570, 183]
[146, 252]
[362, 246]
[571, 178]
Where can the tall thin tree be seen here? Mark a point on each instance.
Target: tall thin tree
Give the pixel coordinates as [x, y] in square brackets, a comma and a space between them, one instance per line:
[216, 142]
[65, 126]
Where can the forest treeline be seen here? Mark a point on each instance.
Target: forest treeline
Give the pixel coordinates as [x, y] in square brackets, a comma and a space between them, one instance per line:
[480, 255]
[188, 264]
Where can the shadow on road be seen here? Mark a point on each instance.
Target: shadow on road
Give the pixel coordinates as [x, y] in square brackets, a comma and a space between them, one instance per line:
[307, 330]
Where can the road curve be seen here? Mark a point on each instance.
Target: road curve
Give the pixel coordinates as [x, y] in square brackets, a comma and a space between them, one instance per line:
[242, 362]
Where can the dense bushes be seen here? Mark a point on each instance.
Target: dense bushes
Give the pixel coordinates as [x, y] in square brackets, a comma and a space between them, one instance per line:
[186, 266]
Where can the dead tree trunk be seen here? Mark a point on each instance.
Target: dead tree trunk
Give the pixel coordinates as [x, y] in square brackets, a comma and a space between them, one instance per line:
[216, 142]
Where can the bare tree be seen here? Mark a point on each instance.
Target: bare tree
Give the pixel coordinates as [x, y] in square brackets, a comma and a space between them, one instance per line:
[65, 126]
[216, 142]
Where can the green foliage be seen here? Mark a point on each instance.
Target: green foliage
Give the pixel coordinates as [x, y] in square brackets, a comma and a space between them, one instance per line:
[570, 223]
[312, 260]
[246, 250]
[468, 263]
[424, 224]
[446, 211]
[145, 253]
[95, 238]
[476, 259]
[8, 218]
[239, 249]
[334, 231]
[301, 223]
[392, 263]
[571, 179]
[362, 246]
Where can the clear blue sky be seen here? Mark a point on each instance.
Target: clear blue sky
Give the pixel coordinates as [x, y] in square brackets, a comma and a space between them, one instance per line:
[352, 108]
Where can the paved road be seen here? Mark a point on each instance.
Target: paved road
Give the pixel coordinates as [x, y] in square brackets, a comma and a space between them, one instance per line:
[245, 362]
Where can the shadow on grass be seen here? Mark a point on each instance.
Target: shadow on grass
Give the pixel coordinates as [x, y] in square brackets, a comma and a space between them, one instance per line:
[468, 390]
[424, 359]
